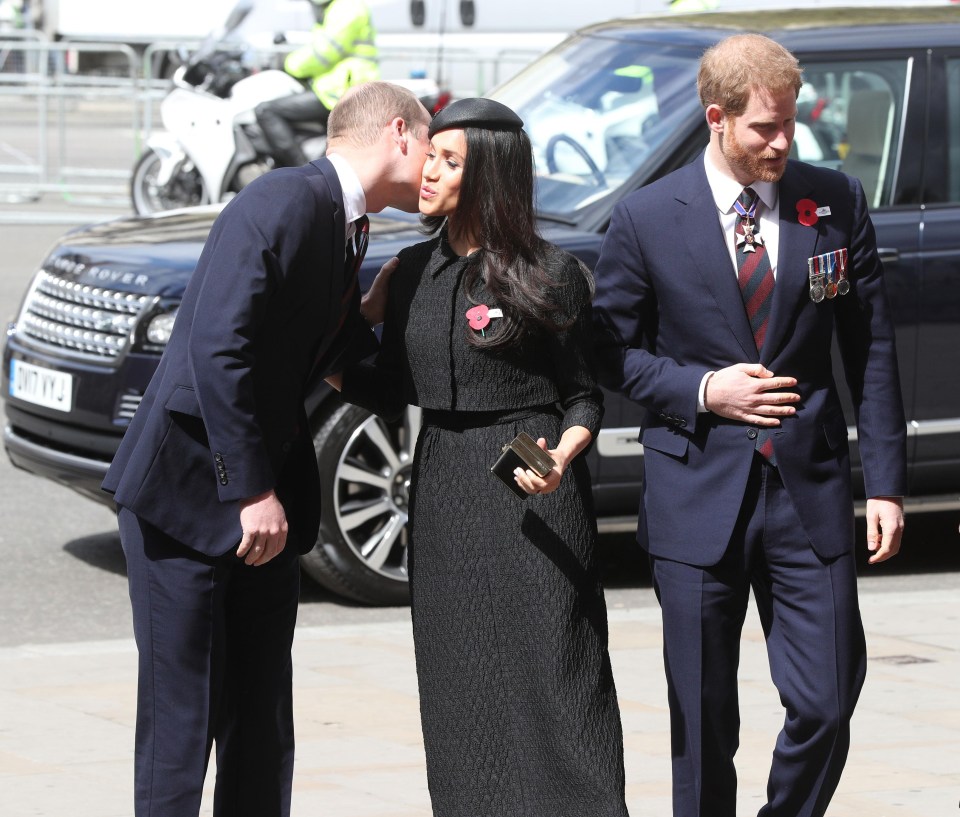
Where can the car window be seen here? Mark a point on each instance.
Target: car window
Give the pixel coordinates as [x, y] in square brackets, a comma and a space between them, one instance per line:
[849, 117]
[953, 128]
[596, 110]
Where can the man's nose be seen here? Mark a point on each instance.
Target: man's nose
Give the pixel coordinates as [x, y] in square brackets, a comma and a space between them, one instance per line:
[782, 141]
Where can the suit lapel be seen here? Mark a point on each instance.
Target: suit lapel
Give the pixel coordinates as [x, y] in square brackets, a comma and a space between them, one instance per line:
[706, 243]
[797, 244]
[339, 227]
[331, 269]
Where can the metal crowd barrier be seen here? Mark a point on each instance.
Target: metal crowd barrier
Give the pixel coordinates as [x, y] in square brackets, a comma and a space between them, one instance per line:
[78, 133]
[63, 131]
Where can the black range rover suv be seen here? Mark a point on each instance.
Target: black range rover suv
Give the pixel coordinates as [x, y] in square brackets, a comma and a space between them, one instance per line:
[612, 108]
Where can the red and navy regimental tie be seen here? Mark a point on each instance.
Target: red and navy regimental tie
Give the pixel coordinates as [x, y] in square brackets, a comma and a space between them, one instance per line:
[756, 286]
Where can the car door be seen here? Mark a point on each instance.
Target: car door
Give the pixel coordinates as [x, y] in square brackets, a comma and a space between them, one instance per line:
[936, 417]
[865, 114]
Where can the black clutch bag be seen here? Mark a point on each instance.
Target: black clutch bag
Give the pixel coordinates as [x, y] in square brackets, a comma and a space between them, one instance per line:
[521, 452]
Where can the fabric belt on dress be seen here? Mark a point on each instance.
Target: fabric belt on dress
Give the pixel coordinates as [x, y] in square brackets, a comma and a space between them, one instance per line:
[462, 420]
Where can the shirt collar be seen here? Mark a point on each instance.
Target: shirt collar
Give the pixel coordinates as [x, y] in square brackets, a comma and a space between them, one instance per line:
[354, 199]
[726, 189]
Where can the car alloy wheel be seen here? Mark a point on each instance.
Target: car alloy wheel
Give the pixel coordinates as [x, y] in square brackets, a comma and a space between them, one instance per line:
[365, 467]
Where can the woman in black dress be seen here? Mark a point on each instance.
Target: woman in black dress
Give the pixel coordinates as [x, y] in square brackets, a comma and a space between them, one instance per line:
[487, 329]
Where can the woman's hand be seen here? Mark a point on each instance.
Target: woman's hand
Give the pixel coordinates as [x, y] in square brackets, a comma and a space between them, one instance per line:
[533, 484]
[573, 441]
[373, 304]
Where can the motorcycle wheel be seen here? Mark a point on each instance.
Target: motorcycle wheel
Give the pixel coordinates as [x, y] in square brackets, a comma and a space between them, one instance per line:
[365, 466]
[186, 188]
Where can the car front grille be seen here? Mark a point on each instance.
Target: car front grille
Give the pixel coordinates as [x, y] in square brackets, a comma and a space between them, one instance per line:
[89, 321]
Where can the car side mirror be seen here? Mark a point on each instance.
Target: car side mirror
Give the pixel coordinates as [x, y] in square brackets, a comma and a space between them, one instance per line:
[418, 13]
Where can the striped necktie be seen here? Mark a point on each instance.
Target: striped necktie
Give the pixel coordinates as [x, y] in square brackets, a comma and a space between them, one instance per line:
[755, 277]
[753, 266]
[356, 250]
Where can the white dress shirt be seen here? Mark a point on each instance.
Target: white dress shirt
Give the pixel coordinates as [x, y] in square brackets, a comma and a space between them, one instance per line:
[726, 191]
[354, 199]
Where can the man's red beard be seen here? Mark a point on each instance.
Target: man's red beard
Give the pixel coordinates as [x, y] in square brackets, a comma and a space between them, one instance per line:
[756, 166]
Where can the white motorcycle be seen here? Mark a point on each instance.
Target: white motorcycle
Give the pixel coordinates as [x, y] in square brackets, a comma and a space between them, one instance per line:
[212, 145]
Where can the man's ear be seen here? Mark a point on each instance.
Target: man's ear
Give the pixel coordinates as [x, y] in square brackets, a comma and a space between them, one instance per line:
[716, 118]
[398, 132]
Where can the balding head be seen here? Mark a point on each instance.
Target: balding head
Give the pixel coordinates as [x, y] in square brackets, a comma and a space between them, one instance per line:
[359, 117]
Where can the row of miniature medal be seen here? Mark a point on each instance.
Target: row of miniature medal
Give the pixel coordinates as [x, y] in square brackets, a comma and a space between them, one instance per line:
[828, 272]
[828, 275]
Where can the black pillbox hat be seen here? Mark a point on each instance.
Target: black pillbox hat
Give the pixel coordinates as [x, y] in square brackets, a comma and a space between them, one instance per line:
[475, 113]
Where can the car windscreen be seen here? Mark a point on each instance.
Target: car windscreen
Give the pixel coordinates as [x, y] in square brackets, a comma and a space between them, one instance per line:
[597, 109]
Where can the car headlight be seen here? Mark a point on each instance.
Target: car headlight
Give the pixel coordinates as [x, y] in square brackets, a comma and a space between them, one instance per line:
[160, 328]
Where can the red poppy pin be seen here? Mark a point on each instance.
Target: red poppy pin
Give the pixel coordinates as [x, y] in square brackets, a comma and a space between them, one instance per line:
[809, 213]
[479, 316]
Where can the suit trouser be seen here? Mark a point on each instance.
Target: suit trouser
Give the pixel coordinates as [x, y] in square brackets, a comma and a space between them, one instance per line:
[214, 638]
[815, 644]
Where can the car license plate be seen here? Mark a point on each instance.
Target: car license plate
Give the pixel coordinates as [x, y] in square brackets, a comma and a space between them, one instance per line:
[43, 387]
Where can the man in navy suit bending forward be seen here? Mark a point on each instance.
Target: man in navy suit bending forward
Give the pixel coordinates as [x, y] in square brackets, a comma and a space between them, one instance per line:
[216, 478]
[720, 289]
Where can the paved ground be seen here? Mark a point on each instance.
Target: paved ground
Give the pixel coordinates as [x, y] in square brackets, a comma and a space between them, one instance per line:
[67, 714]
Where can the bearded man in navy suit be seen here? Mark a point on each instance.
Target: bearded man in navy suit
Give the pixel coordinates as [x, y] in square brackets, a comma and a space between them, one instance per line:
[720, 289]
[216, 478]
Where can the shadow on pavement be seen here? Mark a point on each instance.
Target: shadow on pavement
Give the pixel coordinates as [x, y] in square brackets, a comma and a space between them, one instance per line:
[931, 544]
[101, 550]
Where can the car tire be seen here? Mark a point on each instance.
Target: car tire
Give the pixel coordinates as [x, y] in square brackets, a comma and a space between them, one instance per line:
[186, 189]
[365, 465]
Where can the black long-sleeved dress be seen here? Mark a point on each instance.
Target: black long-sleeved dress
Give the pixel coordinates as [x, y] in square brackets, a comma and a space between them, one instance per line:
[518, 706]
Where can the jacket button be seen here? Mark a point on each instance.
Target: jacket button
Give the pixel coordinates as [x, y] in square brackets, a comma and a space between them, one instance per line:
[223, 480]
[752, 433]
[218, 457]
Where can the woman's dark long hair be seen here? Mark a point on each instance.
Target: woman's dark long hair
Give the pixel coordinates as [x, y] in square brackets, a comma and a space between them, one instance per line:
[518, 269]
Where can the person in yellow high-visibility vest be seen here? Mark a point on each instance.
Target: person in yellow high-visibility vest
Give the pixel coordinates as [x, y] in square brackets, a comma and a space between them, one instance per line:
[682, 6]
[341, 53]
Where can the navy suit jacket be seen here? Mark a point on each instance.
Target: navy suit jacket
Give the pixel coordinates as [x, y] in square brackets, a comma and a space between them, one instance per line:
[223, 418]
[668, 310]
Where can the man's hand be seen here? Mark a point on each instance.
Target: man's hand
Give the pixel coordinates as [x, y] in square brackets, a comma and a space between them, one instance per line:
[373, 304]
[264, 525]
[750, 393]
[884, 527]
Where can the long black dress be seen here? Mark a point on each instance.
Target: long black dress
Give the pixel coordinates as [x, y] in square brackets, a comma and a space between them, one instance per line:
[518, 706]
